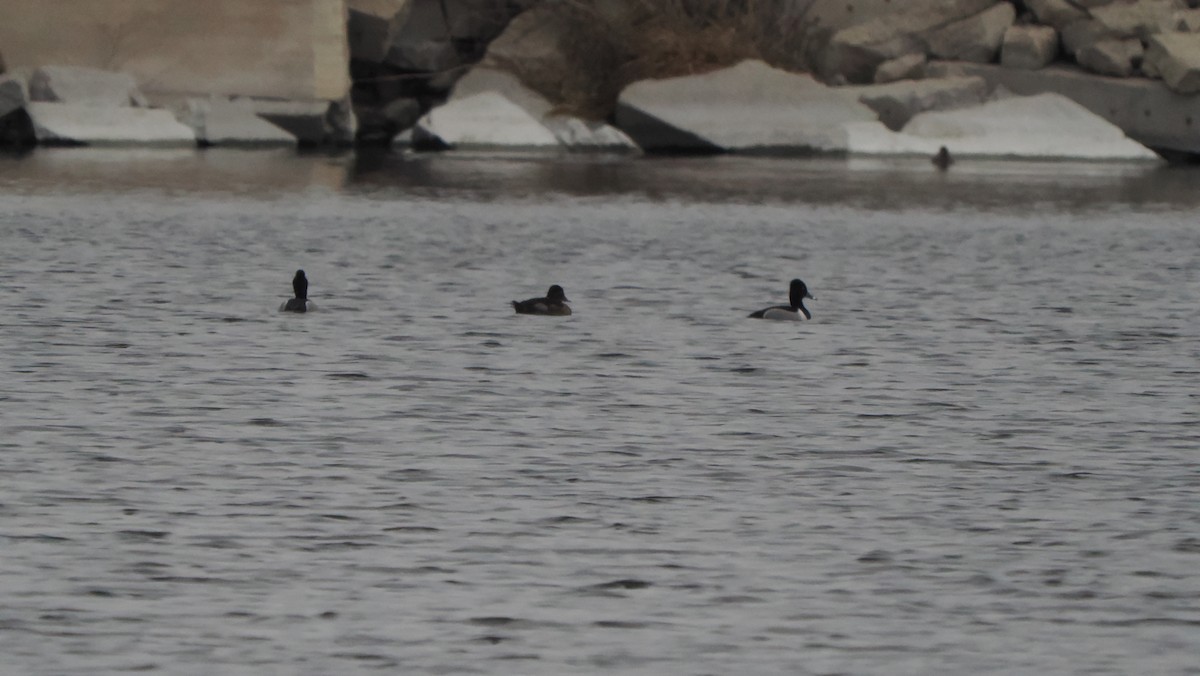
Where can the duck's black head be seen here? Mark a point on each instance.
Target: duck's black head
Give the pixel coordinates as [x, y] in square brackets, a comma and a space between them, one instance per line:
[557, 294]
[300, 284]
[798, 292]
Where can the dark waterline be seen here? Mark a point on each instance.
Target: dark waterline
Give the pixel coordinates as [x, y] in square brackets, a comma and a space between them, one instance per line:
[883, 184]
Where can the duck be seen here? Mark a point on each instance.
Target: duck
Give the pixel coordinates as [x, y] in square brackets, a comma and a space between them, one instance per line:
[942, 159]
[300, 302]
[555, 303]
[797, 292]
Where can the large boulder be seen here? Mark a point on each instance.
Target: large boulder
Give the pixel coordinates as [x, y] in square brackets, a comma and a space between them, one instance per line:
[221, 122]
[486, 120]
[898, 102]
[1111, 57]
[976, 38]
[84, 86]
[1029, 47]
[1046, 126]
[83, 124]
[749, 107]
[1175, 57]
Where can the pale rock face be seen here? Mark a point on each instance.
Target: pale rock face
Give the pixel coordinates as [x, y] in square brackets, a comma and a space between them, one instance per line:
[749, 108]
[976, 38]
[485, 120]
[75, 123]
[1175, 57]
[86, 86]
[1111, 57]
[1028, 47]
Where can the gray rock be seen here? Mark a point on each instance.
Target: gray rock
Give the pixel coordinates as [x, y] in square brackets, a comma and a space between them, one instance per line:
[86, 124]
[975, 38]
[425, 55]
[750, 108]
[367, 34]
[1175, 57]
[1056, 13]
[1137, 20]
[1079, 34]
[899, 102]
[855, 49]
[1111, 57]
[908, 67]
[87, 86]
[1028, 47]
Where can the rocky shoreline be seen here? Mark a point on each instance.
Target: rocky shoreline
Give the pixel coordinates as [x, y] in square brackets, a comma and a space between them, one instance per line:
[1085, 79]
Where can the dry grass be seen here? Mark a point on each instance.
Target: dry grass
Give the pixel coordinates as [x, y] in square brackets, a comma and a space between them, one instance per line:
[604, 46]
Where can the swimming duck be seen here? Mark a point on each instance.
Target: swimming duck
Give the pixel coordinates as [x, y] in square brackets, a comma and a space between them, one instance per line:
[300, 302]
[942, 159]
[796, 311]
[555, 303]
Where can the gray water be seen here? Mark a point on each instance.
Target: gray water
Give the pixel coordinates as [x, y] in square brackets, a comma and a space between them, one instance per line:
[980, 457]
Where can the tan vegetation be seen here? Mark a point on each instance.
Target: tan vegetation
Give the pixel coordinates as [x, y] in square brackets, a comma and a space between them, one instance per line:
[600, 46]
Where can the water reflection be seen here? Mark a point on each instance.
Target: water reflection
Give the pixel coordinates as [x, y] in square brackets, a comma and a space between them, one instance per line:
[876, 184]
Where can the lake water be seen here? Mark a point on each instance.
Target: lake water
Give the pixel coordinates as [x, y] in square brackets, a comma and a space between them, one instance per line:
[981, 456]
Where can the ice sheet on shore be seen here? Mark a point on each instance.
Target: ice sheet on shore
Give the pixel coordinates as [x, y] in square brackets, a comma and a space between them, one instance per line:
[485, 120]
[1046, 126]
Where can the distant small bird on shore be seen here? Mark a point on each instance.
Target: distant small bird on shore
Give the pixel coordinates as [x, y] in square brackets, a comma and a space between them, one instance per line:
[942, 159]
[300, 288]
[555, 303]
[797, 292]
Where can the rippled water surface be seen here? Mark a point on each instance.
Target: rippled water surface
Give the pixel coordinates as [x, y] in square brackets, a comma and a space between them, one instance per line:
[980, 457]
